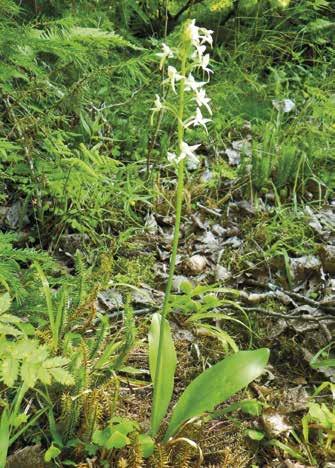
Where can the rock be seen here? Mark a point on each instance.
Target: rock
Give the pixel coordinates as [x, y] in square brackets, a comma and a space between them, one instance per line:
[303, 266]
[274, 422]
[111, 299]
[70, 243]
[28, 457]
[294, 399]
[221, 273]
[151, 225]
[196, 264]
[15, 216]
[327, 254]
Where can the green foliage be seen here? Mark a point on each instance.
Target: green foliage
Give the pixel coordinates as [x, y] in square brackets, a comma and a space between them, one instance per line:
[217, 384]
[24, 366]
[27, 359]
[76, 81]
[324, 418]
[164, 381]
[12, 276]
[202, 305]
[116, 434]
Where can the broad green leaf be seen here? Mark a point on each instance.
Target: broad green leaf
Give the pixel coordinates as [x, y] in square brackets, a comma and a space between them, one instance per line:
[123, 425]
[100, 437]
[217, 384]
[117, 440]
[21, 418]
[252, 407]
[147, 445]
[162, 377]
[110, 439]
[51, 453]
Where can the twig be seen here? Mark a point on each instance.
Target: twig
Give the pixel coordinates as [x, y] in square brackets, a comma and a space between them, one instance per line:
[293, 295]
[289, 317]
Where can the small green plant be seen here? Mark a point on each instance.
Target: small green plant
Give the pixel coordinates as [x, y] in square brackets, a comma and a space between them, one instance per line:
[24, 366]
[238, 370]
[201, 304]
[321, 418]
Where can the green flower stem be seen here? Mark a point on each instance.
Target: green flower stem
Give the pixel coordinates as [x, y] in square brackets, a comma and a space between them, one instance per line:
[176, 234]
[180, 192]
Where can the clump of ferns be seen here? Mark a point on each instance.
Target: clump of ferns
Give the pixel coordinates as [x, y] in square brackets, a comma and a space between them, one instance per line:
[181, 451]
[160, 458]
[185, 454]
[95, 395]
[85, 287]
[133, 454]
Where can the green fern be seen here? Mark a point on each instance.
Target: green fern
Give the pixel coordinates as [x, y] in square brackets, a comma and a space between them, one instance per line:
[12, 276]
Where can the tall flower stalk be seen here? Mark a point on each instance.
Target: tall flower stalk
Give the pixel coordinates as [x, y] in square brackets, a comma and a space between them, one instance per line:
[191, 55]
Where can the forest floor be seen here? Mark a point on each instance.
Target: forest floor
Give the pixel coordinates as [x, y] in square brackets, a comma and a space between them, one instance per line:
[274, 268]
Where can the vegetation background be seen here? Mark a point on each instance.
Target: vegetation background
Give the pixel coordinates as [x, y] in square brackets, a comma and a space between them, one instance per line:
[87, 194]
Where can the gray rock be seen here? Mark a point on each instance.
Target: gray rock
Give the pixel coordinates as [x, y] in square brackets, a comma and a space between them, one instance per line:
[28, 457]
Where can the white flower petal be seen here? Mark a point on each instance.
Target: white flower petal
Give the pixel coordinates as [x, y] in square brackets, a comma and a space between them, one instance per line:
[165, 54]
[191, 84]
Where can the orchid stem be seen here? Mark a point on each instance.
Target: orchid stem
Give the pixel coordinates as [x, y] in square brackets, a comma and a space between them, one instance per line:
[176, 234]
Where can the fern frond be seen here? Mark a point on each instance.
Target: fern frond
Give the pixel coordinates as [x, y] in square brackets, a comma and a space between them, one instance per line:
[160, 457]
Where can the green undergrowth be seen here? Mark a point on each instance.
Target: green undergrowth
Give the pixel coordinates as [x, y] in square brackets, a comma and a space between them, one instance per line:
[82, 169]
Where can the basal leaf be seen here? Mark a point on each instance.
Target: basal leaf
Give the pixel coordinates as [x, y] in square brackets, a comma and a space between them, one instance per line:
[164, 380]
[217, 384]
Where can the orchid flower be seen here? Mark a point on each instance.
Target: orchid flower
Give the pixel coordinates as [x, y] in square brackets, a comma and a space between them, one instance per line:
[173, 76]
[173, 158]
[165, 54]
[158, 105]
[202, 100]
[199, 35]
[188, 152]
[204, 61]
[206, 36]
[191, 84]
[198, 120]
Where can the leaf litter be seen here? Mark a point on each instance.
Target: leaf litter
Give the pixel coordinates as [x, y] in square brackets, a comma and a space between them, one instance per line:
[292, 303]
